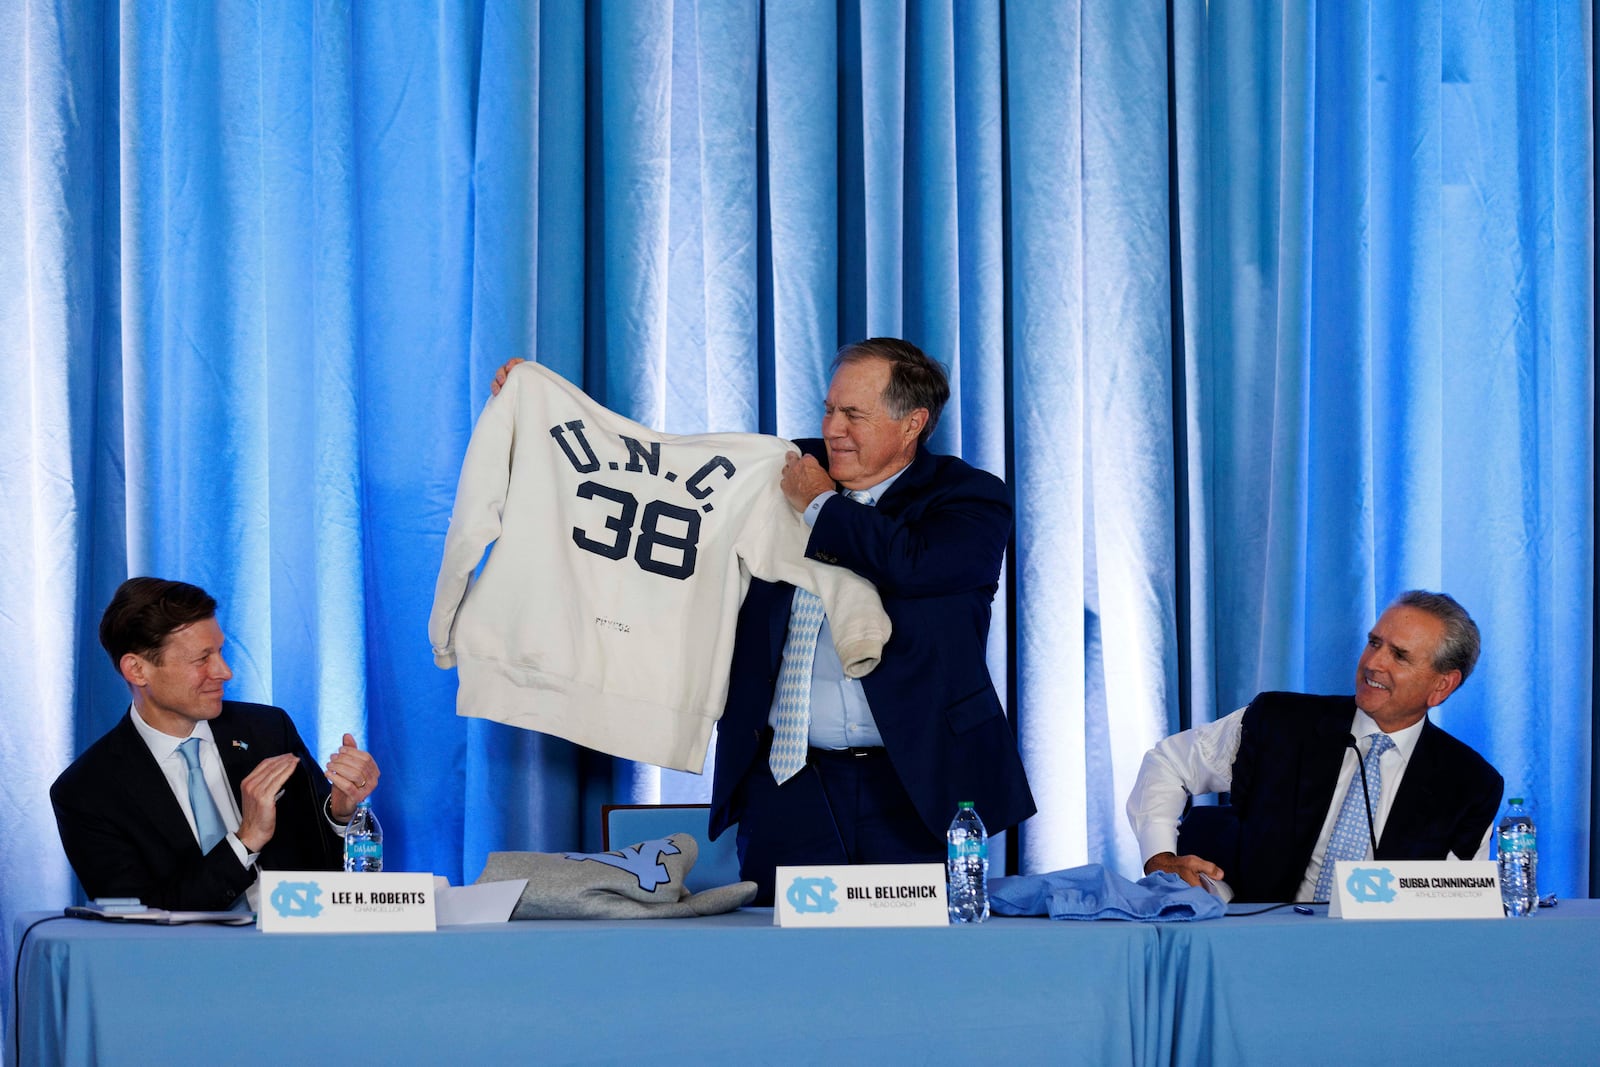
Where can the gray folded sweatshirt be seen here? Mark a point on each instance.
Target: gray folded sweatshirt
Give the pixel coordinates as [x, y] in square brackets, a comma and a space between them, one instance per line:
[643, 881]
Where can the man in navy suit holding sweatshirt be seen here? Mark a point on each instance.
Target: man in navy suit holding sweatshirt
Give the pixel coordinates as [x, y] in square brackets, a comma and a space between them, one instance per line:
[843, 770]
[871, 770]
[188, 794]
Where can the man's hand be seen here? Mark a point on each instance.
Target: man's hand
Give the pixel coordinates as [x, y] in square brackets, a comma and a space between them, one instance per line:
[353, 775]
[1189, 868]
[258, 800]
[500, 377]
[803, 480]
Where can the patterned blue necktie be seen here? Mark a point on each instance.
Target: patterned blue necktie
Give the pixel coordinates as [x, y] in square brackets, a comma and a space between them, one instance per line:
[1350, 839]
[791, 734]
[207, 819]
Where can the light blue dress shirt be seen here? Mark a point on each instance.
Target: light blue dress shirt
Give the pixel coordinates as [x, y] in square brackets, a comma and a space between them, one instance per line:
[840, 717]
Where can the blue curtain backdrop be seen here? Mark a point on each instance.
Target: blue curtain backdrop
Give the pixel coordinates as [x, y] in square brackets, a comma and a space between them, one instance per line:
[1265, 312]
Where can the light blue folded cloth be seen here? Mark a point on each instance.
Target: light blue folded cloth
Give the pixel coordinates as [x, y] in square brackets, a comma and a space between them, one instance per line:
[1092, 892]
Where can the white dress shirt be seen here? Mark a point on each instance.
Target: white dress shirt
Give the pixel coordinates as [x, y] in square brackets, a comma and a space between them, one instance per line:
[1201, 761]
[164, 747]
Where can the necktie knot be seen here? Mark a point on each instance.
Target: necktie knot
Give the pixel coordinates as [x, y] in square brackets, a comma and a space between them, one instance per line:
[190, 751]
[860, 496]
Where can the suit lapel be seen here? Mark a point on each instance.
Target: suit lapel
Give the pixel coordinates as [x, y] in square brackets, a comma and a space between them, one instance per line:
[144, 787]
[908, 486]
[1414, 800]
[1317, 781]
[1317, 776]
[233, 746]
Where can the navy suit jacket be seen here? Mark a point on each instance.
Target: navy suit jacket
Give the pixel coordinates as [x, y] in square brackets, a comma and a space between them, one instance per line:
[1290, 752]
[933, 547]
[126, 836]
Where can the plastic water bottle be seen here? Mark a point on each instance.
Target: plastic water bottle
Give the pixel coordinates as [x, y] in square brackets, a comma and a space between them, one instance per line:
[1517, 845]
[363, 840]
[966, 866]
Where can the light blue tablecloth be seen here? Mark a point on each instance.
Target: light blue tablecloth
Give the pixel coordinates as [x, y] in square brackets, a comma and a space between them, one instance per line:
[1270, 989]
[723, 989]
[1287, 988]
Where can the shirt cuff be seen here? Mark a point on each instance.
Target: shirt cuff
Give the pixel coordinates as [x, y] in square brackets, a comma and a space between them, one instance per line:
[327, 813]
[247, 859]
[815, 507]
[1156, 840]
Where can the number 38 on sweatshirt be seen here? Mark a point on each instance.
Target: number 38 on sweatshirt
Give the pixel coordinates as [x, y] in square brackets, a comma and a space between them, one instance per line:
[605, 612]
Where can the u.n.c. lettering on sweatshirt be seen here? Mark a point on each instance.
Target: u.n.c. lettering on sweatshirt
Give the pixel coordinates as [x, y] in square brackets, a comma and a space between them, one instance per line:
[605, 612]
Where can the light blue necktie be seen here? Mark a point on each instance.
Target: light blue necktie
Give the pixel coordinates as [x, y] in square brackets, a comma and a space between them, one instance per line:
[1350, 838]
[791, 734]
[207, 819]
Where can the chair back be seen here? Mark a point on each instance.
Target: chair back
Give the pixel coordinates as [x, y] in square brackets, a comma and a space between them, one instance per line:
[628, 824]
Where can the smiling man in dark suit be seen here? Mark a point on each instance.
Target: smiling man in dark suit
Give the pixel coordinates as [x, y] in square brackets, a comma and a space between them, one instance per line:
[1292, 761]
[188, 794]
[871, 770]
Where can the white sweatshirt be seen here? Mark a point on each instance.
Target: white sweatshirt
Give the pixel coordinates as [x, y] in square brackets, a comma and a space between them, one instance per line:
[605, 613]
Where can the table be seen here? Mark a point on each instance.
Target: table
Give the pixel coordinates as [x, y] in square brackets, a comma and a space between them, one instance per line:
[721, 989]
[1263, 989]
[1288, 988]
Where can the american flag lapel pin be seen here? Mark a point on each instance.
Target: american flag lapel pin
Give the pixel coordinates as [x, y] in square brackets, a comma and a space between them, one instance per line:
[241, 744]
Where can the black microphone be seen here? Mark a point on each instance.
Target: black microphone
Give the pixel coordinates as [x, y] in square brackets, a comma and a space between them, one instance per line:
[1361, 773]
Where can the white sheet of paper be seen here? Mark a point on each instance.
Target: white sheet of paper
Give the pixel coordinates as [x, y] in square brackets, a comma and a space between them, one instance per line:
[465, 905]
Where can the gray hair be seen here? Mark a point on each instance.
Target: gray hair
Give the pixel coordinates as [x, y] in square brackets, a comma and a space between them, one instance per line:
[915, 381]
[1459, 649]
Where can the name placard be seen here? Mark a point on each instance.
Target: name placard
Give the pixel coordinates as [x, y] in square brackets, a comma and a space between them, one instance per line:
[1416, 889]
[868, 894]
[338, 902]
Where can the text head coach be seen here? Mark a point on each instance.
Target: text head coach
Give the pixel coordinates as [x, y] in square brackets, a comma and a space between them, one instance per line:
[1295, 765]
[188, 793]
